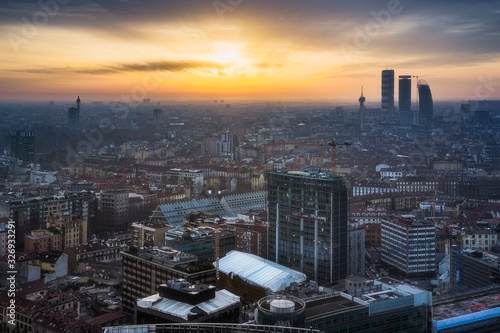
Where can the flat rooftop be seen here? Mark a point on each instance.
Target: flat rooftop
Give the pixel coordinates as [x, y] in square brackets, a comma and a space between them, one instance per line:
[466, 306]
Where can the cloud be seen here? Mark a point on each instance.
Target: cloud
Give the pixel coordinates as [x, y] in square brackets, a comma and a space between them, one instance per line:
[156, 66]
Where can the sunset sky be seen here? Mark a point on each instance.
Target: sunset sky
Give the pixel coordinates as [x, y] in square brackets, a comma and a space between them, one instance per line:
[245, 49]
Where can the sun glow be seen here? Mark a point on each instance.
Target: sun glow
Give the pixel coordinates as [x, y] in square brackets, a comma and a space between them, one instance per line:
[227, 53]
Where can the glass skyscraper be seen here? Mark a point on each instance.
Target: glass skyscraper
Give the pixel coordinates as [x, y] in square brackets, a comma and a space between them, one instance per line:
[425, 104]
[307, 214]
[387, 101]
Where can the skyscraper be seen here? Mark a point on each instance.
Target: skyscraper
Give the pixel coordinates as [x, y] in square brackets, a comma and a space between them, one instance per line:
[405, 93]
[307, 214]
[425, 104]
[22, 146]
[387, 102]
[74, 115]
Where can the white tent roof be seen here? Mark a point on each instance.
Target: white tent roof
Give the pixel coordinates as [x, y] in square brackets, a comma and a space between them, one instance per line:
[259, 271]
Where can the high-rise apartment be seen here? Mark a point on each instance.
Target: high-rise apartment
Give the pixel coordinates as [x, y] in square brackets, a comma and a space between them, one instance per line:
[307, 214]
[387, 102]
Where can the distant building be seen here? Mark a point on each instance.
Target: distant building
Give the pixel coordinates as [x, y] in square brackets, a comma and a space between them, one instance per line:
[67, 230]
[74, 115]
[33, 213]
[404, 93]
[409, 246]
[105, 252]
[425, 103]
[387, 101]
[251, 238]
[480, 240]
[114, 211]
[22, 146]
[225, 146]
[149, 234]
[307, 214]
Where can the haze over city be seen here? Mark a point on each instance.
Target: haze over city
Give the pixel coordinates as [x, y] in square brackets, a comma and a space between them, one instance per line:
[55, 50]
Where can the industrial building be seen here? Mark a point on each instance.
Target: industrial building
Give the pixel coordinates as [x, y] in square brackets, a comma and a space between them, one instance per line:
[307, 215]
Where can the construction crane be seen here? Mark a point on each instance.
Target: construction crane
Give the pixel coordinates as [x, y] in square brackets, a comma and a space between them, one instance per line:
[334, 146]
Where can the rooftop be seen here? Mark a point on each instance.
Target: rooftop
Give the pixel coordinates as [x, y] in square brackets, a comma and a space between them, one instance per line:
[222, 300]
[259, 271]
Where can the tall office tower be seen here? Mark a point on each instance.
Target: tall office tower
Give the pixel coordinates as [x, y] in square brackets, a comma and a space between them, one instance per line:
[409, 246]
[425, 104]
[405, 93]
[225, 146]
[387, 102]
[74, 115]
[307, 214]
[22, 146]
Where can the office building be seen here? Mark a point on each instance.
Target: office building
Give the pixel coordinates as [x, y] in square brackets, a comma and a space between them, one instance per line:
[425, 104]
[144, 270]
[74, 115]
[307, 214]
[22, 146]
[409, 246]
[387, 101]
[384, 305]
[404, 93]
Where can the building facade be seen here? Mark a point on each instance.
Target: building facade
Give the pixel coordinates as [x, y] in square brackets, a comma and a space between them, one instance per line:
[145, 270]
[22, 146]
[387, 102]
[409, 246]
[307, 214]
[425, 103]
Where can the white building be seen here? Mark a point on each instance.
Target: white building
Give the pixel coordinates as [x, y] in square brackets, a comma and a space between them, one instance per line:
[409, 246]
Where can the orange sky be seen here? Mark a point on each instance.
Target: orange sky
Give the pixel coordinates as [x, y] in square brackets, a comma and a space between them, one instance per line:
[290, 51]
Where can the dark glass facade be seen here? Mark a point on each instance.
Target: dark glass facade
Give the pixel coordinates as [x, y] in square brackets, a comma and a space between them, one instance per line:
[404, 93]
[425, 104]
[307, 214]
[23, 146]
[387, 101]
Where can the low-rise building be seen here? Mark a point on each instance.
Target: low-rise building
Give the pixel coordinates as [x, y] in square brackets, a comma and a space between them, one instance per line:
[179, 301]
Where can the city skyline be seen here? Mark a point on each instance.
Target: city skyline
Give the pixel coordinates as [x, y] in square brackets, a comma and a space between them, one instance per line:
[55, 49]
